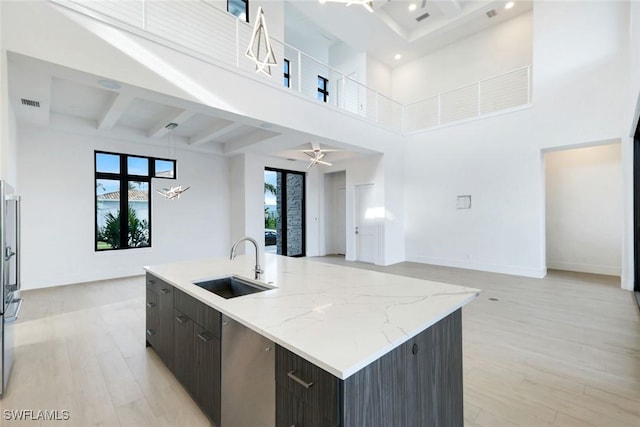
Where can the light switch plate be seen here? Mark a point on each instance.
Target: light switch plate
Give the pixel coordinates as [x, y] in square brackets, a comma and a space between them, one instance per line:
[464, 202]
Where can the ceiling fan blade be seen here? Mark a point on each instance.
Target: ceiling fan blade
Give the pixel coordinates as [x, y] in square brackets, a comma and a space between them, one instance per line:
[323, 163]
[311, 163]
[310, 154]
[320, 155]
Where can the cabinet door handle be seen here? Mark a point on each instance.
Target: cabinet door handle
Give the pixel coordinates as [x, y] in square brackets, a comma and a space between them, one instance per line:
[151, 332]
[299, 380]
[205, 337]
[165, 291]
[151, 304]
[151, 282]
[181, 319]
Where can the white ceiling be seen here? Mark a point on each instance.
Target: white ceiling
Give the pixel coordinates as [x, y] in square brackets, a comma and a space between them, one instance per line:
[73, 101]
[392, 28]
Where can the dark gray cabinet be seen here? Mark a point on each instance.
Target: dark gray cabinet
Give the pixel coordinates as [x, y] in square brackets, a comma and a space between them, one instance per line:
[418, 384]
[197, 352]
[160, 318]
[207, 373]
[306, 395]
[186, 335]
[183, 332]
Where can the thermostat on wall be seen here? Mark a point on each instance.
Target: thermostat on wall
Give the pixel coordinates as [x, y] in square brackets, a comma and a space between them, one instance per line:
[464, 202]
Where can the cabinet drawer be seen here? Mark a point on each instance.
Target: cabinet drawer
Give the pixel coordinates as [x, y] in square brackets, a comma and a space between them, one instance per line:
[152, 318]
[205, 316]
[315, 388]
[158, 286]
[292, 411]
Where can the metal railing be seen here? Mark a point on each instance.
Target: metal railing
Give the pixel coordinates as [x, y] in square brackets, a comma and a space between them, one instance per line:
[201, 28]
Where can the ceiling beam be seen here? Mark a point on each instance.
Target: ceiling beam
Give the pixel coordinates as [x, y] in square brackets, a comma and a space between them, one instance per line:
[115, 110]
[253, 138]
[216, 130]
[160, 128]
[449, 8]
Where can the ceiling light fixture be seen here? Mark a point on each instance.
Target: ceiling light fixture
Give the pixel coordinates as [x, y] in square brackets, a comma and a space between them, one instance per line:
[412, 7]
[509, 5]
[260, 38]
[173, 192]
[397, 57]
[367, 4]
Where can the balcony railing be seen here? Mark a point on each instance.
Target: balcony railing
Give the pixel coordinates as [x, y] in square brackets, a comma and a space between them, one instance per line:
[483, 98]
[201, 29]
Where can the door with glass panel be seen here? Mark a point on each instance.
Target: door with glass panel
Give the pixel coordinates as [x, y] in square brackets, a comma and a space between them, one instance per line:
[284, 212]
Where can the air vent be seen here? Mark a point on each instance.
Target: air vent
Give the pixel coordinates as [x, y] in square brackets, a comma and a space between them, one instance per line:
[171, 126]
[422, 17]
[30, 103]
[492, 13]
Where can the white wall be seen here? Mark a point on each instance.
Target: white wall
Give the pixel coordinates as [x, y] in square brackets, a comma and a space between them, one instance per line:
[56, 174]
[498, 160]
[7, 121]
[584, 209]
[493, 51]
[378, 76]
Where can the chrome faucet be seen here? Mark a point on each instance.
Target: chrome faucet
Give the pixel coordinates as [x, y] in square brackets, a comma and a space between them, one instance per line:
[258, 271]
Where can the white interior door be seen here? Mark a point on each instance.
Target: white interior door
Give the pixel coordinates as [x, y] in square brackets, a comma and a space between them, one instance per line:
[340, 218]
[366, 224]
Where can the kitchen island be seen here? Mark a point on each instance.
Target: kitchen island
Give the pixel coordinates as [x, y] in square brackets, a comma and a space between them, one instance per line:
[353, 347]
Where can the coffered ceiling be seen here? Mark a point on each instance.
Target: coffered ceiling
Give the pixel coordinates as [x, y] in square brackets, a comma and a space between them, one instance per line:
[72, 101]
[393, 28]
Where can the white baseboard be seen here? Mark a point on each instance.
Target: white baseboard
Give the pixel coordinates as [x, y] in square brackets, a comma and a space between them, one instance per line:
[537, 273]
[607, 270]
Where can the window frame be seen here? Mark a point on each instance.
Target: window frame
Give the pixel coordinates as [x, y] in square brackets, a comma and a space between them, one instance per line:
[246, 10]
[324, 90]
[124, 178]
[287, 74]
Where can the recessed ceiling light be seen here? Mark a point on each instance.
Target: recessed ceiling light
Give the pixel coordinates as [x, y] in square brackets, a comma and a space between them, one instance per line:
[412, 7]
[397, 57]
[509, 5]
[109, 84]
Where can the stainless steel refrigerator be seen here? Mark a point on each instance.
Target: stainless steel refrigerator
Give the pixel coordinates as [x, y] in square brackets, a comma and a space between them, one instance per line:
[10, 274]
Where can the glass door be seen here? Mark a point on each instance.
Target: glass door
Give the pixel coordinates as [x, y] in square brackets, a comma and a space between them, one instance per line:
[284, 212]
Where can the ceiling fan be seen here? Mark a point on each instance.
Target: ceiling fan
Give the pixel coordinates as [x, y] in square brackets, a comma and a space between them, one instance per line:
[317, 154]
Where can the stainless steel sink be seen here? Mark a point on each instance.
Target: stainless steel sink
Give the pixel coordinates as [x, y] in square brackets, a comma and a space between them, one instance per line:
[230, 287]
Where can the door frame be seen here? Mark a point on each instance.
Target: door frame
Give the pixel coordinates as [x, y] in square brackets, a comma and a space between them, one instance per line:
[636, 208]
[357, 224]
[283, 200]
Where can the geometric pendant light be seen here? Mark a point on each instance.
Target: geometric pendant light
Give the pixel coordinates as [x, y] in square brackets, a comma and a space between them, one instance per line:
[260, 50]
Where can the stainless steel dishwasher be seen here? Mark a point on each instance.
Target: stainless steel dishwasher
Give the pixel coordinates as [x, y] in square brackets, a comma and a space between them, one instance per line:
[248, 377]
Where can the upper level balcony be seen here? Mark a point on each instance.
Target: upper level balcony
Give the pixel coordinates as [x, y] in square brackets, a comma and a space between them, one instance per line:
[203, 31]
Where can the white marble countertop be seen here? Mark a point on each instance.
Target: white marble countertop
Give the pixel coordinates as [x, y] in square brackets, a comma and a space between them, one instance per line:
[339, 318]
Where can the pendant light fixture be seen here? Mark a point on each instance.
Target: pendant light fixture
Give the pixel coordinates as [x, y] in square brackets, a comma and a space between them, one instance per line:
[260, 44]
[175, 192]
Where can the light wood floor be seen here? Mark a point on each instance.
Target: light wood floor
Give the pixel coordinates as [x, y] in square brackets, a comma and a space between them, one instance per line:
[561, 351]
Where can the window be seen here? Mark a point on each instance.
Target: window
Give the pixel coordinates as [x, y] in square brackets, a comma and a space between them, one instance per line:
[287, 75]
[239, 8]
[323, 89]
[123, 184]
[284, 212]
